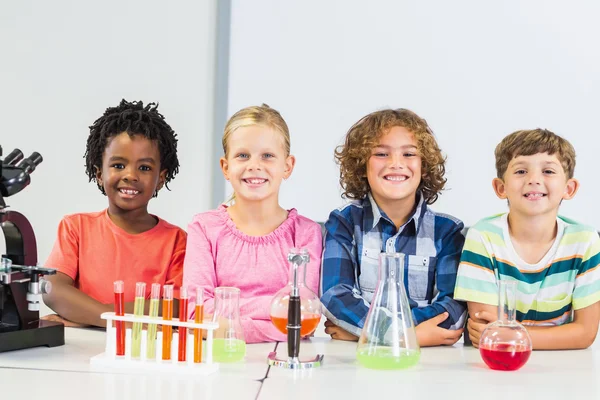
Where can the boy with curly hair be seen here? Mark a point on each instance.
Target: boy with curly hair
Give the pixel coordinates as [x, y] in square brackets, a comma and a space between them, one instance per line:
[131, 154]
[393, 169]
[553, 259]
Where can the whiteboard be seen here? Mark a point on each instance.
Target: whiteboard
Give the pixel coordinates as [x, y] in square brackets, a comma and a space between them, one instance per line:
[476, 71]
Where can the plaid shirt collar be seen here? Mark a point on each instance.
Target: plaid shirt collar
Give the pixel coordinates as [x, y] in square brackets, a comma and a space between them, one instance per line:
[373, 213]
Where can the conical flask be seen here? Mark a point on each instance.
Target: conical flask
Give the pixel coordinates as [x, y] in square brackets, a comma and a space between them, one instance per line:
[228, 343]
[310, 305]
[388, 339]
[505, 344]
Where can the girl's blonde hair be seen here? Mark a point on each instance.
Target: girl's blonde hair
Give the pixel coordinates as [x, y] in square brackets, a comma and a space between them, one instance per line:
[257, 115]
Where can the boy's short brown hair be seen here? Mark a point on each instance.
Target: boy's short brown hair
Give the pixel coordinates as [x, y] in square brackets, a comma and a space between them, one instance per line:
[530, 142]
[364, 135]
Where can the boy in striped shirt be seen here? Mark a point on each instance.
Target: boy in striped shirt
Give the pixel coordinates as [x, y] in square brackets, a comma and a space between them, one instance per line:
[554, 259]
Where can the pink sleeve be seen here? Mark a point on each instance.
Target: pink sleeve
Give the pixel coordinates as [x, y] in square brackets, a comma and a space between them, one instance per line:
[257, 331]
[308, 236]
[199, 268]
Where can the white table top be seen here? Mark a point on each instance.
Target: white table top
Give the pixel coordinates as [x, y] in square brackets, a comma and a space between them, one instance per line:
[443, 372]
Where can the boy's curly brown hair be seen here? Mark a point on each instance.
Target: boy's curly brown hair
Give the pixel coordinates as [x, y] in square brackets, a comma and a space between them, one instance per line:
[534, 141]
[364, 135]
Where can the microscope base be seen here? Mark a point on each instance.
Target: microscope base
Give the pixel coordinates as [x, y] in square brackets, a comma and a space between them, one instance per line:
[45, 333]
[294, 364]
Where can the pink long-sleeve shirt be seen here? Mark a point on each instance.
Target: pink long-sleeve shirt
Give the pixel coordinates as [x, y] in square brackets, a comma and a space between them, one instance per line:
[218, 254]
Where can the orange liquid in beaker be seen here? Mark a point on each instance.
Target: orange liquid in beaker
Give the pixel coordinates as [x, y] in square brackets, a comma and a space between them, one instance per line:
[308, 323]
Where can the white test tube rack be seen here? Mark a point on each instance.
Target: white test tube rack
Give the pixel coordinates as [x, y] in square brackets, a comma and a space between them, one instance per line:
[110, 361]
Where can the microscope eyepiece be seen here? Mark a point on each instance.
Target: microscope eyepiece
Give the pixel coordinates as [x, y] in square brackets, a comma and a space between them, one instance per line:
[13, 157]
[28, 164]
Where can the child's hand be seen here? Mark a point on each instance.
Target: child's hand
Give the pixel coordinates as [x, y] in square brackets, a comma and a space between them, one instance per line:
[430, 334]
[65, 322]
[475, 326]
[338, 333]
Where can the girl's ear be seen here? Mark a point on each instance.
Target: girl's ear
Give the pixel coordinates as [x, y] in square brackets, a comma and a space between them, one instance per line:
[571, 189]
[224, 167]
[499, 188]
[290, 162]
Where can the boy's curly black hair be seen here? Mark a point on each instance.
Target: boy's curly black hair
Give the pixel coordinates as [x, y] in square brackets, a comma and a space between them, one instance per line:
[135, 119]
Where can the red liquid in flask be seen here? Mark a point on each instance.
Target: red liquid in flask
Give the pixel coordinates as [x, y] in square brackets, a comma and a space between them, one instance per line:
[309, 323]
[505, 356]
[183, 312]
[120, 325]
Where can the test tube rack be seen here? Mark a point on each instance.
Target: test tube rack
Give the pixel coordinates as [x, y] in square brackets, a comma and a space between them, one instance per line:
[111, 362]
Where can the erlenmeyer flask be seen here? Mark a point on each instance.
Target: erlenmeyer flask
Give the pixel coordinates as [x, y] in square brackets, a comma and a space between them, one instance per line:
[310, 305]
[388, 339]
[228, 343]
[505, 344]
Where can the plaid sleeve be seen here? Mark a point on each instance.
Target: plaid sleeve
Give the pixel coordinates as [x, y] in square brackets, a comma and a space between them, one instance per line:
[448, 257]
[342, 301]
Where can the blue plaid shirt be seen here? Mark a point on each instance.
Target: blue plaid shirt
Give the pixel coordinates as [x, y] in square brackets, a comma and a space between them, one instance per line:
[355, 235]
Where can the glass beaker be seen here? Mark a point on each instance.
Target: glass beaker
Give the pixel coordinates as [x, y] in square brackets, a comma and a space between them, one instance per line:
[388, 339]
[310, 308]
[505, 344]
[228, 341]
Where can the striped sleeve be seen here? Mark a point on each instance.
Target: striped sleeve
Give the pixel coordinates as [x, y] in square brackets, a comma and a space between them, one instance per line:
[476, 279]
[587, 282]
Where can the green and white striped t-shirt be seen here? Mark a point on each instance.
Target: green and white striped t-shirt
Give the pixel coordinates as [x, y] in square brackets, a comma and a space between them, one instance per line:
[567, 278]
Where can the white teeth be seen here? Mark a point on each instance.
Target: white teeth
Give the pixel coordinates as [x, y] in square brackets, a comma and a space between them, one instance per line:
[256, 181]
[396, 178]
[128, 191]
[534, 195]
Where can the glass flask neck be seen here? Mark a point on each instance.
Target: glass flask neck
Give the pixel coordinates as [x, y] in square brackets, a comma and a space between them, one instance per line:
[507, 301]
[391, 268]
[298, 258]
[227, 301]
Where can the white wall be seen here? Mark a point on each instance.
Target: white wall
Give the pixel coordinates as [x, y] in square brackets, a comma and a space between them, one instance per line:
[64, 62]
[475, 70]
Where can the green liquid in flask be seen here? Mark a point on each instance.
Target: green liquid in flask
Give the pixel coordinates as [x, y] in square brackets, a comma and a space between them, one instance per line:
[383, 358]
[151, 337]
[228, 350]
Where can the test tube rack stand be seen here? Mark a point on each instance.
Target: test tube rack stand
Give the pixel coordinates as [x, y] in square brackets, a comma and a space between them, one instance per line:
[109, 361]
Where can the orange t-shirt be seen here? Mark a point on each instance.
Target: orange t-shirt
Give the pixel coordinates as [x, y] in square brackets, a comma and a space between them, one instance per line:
[95, 252]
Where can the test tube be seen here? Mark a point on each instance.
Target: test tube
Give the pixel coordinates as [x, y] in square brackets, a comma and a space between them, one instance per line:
[167, 330]
[120, 310]
[198, 317]
[138, 310]
[183, 316]
[153, 312]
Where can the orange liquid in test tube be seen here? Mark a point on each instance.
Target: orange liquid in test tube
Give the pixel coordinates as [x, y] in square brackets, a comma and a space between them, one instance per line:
[167, 330]
[183, 316]
[198, 317]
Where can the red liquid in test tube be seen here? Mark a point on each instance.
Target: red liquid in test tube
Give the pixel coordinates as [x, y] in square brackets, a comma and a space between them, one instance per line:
[183, 316]
[120, 310]
[198, 317]
[167, 330]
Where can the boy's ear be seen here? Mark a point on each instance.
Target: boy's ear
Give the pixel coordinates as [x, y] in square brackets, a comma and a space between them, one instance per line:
[571, 189]
[98, 175]
[224, 167]
[162, 178]
[290, 162]
[499, 188]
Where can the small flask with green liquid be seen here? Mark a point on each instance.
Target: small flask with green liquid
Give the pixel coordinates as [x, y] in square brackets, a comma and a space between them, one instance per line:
[388, 339]
[152, 312]
[228, 341]
[138, 310]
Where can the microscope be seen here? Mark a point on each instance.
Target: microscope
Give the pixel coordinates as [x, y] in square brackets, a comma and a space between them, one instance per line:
[21, 280]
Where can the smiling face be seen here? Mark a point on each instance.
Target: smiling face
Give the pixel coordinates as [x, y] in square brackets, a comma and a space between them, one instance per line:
[130, 172]
[256, 162]
[394, 168]
[535, 185]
